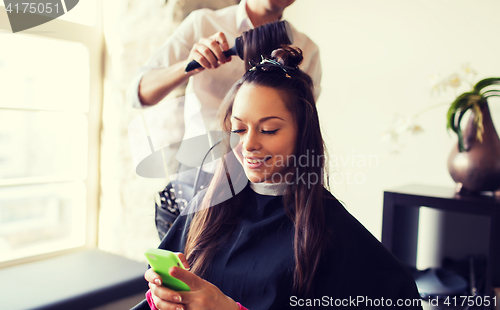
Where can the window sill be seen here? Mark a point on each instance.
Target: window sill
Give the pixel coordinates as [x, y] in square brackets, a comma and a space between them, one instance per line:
[80, 280]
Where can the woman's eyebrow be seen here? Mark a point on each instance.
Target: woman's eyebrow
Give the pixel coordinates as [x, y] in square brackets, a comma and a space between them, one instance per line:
[269, 117]
[261, 120]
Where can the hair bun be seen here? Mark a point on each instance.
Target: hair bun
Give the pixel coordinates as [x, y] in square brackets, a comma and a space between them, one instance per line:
[288, 56]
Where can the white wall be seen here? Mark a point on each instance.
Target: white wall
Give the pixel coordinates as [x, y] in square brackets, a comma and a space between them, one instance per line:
[377, 58]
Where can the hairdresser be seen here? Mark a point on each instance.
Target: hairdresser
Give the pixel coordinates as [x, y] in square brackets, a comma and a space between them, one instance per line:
[203, 36]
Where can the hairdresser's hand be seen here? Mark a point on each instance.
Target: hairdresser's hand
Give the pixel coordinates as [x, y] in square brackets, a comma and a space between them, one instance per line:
[208, 52]
[203, 295]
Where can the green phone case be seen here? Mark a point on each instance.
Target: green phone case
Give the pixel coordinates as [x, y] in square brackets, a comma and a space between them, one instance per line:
[161, 261]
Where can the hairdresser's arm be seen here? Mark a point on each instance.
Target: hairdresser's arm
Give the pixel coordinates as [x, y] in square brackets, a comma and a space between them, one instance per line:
[203, 295]
[157, 83]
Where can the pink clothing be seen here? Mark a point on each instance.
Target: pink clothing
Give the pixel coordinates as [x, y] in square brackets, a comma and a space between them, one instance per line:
[152, 305]
[149, 298]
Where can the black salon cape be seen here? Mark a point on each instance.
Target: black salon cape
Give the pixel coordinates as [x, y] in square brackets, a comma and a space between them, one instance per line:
[255, 266]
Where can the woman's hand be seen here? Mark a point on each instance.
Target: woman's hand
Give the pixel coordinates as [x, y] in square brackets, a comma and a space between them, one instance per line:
[183, 259]
[208, 52]
[203, 294]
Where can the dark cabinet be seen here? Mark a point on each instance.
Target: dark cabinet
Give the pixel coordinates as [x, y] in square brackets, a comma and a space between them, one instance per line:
[401, 215]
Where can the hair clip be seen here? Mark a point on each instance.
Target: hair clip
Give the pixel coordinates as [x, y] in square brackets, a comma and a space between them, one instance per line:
[271, 63]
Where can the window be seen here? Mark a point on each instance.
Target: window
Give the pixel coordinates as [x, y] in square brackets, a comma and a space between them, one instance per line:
[50, 103]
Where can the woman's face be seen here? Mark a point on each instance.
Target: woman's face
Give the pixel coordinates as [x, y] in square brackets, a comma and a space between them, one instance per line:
[267, 134]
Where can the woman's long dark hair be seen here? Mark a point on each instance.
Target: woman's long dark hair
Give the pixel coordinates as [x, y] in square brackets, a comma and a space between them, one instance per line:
[211, 225]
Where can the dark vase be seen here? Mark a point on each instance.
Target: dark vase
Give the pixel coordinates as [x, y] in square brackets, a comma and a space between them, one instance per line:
[477, 168]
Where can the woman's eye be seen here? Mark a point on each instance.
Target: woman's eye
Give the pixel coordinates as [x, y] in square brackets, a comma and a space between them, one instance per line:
[269, 132]
[237, 130]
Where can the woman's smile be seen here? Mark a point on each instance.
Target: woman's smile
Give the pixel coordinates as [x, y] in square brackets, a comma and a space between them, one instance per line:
[254, 162]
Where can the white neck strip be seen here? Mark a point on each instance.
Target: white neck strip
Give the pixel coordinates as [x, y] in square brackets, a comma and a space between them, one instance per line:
[269, 189]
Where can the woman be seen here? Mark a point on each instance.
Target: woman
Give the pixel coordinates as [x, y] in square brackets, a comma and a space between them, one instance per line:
[273, 237]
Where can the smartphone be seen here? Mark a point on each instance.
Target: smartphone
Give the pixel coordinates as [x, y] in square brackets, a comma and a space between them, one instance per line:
[161, 261]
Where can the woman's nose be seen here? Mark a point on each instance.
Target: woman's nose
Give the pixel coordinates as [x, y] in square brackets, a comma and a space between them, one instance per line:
[250, 141]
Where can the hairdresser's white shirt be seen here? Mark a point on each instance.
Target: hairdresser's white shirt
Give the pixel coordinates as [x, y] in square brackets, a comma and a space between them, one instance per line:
[206, 90]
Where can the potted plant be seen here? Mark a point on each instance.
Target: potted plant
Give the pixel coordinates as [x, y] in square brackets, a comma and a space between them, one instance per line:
[474, 162]
[474, 100]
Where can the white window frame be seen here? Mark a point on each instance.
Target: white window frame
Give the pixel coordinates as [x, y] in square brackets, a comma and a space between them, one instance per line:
[92, 38]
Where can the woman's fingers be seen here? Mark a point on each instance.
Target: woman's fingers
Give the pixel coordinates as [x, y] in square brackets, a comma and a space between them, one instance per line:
[165, 305]
[203, 294]
[191, 280]
[152, 277]
[183, 259]
[166, 294]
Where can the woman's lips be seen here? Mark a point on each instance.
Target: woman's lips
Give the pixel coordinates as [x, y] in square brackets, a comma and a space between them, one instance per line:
[254, 162]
